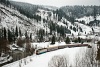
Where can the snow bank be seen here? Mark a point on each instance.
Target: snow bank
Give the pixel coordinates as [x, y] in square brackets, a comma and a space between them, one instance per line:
[46, 44]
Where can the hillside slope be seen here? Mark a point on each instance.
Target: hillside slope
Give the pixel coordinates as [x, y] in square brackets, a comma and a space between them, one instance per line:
[43, 19]
[11, 18]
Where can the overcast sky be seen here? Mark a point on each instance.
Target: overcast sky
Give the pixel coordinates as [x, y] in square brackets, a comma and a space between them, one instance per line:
[59, 3]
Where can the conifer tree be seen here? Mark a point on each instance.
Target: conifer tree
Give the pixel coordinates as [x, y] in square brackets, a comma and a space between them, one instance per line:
[5, 33]
[13, 33]
[41, 34]
[20, 33]
[53, 40]
[95, 11]
[16, 32]
[67, 41]
[79, 39]
[74, 29]
[26, 35]
[2, 33]
[31, 36]
[9, 36]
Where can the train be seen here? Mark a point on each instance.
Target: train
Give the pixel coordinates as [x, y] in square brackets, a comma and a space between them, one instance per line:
[48, 49]
[41, 51]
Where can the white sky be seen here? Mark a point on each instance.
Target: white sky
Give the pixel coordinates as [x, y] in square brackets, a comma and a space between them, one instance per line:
[59, 3]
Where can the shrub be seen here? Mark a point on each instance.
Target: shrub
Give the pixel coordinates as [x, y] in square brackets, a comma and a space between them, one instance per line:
[89, 40]
[3, 45]
[79, 39]
[98, 42]
[74, 29]
[32, 50]
[75, 40]
[20, 42]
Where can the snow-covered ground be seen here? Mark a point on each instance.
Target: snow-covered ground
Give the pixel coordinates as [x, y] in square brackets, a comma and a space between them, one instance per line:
[10, 21]
[43, 59]
[86, 29]
[5, 59]
[86, 19]
[96, 28]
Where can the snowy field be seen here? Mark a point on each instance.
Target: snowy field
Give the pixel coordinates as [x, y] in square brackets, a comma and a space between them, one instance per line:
[43, 59]
[5, 59]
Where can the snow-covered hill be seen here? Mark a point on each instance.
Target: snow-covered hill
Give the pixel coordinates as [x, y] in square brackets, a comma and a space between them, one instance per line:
[44, 59]
[47, 20]
[10, 18]
[65, 23]
[88, 19]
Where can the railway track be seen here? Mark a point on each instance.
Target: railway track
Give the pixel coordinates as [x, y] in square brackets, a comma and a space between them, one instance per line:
[48, 49]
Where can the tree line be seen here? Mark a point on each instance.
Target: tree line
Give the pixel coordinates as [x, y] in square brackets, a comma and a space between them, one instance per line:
[8, 36]
[5, 2]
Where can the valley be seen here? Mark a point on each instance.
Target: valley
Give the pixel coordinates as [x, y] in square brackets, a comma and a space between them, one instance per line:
[63, 35]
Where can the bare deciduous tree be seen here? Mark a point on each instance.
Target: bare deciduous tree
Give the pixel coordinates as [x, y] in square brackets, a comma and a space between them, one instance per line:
[87, 60]
[58, 61]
